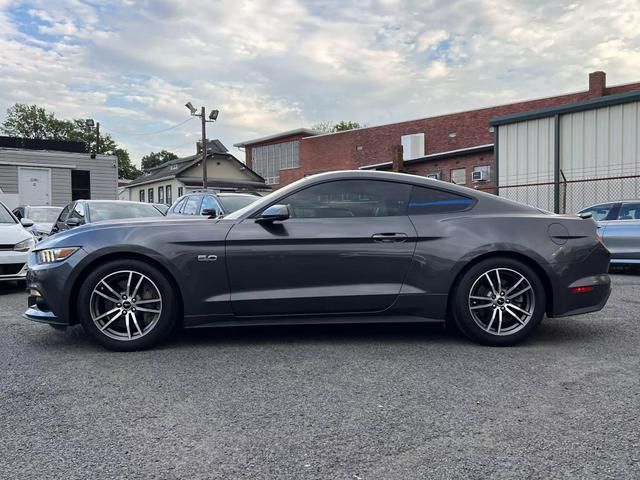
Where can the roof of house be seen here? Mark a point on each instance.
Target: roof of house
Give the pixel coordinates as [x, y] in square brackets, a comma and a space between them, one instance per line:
[288, 133]
[173, 168]
[609, 100]
[435, 156]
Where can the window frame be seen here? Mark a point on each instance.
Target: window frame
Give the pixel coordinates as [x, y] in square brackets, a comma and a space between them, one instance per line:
[470, 206]
[455, 169]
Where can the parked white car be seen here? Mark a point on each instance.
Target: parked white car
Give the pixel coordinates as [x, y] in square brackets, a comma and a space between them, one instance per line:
[15, 243]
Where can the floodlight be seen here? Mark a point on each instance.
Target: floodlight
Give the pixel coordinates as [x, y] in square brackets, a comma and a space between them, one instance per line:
[213, 115]
[191, 107]
[89, 122]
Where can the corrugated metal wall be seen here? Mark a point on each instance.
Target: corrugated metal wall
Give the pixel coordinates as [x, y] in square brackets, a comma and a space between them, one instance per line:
[103, 171]
[597, 148]
[525, 156]
[600, 143]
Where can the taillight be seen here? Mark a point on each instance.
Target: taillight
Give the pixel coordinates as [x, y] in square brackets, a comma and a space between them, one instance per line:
[581, 289]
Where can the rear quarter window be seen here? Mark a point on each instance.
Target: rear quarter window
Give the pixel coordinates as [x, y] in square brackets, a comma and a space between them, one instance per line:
[425, 201]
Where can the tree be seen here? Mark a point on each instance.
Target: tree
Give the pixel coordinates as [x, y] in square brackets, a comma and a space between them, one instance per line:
[34, 122]
[125, 168]
[341, 126]
[154, 159]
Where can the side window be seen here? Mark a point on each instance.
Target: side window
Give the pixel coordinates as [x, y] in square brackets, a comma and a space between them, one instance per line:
[210, 202]
[426, 201]
[629, 211]
[18, 213]
[78, 212]
[64, 213]
[599, 212]
[191, 207]
[178, 207]
[350, 198]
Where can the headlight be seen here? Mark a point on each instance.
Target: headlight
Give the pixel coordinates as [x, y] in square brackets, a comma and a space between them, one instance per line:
[52, 255]
[25, 245]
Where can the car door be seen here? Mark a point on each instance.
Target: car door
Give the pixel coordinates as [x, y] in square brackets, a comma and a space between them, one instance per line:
[622, 235]
[60, 224]
[346, 248]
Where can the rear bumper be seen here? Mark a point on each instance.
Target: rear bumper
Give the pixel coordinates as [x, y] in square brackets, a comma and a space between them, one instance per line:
[590, 299]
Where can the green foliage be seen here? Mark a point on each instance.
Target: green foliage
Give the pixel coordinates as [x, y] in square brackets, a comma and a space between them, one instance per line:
[157, 158]
[341, 126]
[34, 122]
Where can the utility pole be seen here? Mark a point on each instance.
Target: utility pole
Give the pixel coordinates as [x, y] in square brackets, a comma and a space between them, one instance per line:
[97, 138]
[204, 148]
[213, 116]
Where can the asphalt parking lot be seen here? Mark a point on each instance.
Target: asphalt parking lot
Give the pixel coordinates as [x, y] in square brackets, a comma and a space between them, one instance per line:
[339, 402]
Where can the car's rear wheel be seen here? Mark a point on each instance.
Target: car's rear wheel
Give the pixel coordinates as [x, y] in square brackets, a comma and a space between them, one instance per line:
[499, 302]
[127, 305]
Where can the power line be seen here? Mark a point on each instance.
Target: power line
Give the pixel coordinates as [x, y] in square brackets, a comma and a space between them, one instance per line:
[146, 133]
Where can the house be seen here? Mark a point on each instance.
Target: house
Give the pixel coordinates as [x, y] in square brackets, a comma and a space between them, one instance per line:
[167, 182]
[52, 172]
[457, 147]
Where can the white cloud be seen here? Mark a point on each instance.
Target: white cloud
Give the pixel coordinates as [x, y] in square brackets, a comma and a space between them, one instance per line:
[282, 64]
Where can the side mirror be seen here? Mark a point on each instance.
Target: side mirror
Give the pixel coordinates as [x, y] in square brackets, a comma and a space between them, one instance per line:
[585, 215]
[210, 212]
[72, 222]
[26, 222]
[273, 213]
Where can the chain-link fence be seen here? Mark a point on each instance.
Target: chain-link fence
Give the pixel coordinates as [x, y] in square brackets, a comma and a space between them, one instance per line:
[572, 194]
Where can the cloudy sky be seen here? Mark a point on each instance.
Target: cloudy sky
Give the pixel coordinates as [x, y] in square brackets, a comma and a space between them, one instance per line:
[274, 65]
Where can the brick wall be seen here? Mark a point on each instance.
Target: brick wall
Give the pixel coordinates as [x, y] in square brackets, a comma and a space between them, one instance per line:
[356, 148]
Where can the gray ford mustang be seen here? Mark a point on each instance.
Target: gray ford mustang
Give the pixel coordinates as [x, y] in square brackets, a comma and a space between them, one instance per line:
[342, 247]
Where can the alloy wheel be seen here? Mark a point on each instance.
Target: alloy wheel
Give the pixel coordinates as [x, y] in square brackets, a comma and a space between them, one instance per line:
[501, 301]
[125, 305]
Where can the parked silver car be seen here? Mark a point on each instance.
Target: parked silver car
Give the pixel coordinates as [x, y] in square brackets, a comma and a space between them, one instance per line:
[619, 227]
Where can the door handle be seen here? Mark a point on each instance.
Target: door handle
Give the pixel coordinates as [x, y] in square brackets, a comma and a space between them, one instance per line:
[389, 237]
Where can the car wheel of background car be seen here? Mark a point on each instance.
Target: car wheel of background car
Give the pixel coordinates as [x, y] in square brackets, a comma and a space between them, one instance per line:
[499, 302]
[127, 305]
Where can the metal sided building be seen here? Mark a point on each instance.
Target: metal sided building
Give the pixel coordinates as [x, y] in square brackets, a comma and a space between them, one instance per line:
[571, 156]
[47, 172]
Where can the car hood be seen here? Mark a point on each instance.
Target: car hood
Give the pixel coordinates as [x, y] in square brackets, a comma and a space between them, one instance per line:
[12, 233]
[66, 237]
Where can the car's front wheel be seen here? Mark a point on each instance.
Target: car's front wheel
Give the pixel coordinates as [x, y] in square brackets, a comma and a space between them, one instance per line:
[127, 305]
[499, 302]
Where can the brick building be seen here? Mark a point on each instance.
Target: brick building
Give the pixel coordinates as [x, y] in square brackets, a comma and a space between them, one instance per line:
[449, 147]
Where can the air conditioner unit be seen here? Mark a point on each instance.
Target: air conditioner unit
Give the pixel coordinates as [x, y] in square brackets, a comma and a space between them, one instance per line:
[480, 176]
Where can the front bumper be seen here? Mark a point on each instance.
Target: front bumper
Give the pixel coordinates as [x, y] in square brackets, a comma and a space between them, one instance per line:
[55, 283]
[13, 265]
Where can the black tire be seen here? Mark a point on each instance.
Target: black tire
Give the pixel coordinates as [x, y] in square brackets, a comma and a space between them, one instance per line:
[462, 303]
[158, 329]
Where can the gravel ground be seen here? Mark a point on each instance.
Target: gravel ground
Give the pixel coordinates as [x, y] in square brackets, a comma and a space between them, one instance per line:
[339, 402]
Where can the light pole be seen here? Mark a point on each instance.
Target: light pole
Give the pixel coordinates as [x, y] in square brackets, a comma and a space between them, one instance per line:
[213, 116]
[90, 124]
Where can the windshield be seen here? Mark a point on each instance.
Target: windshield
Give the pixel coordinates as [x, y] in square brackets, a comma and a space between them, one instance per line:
[44, 215]
[231, 203]
[117, 211]
[5, 215]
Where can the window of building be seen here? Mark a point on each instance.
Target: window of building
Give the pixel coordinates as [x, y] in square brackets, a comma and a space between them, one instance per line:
[169, 194]
[267, 161]
[413, 146]
[430, 200]
[141, 193]
[453, 134]
[80, 185]
[481, 173]
[180, 191]
[350, 198]
[150, 193]
[459, 176]
[160, 194]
